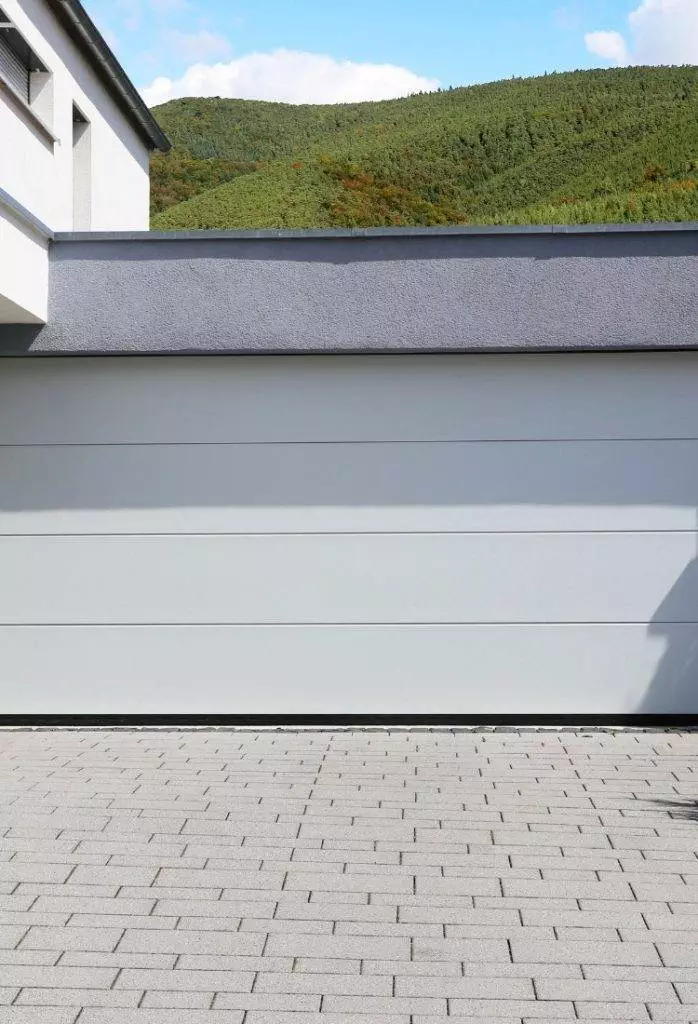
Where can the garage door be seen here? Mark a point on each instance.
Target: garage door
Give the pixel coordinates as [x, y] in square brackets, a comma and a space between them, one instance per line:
[363, 534]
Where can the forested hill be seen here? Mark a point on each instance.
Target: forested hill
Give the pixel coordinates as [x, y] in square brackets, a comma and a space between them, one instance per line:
[585, 146]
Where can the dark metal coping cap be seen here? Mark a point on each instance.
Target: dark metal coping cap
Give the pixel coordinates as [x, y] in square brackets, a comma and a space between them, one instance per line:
[77, 23]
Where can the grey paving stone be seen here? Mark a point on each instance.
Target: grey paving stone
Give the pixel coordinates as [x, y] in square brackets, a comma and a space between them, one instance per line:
[34, 889]
[419, 1018]
[386, 928]
[466, 988]
[459, 915]
[460, 949]
[377, 1005]
[568, 890]
[122, 921]
[268, 1002]
[542, 916]
[529, 1010]
[15, 910]
[393, 874]
[14, 871]
[147, 1016]
[209, 922]
[171, 941]
[136, 892]
[77, 997]
[30, 957]
[85, 874]
[631, 973]
[277, 926]
[606, 991]
[333, 947]
[224, 962]
[118, 960]
[37, 1015]
[194, 907]
[96, 939]
[182, 980]
[331, 881]
[429, 885]
[270, 881]
[177, 1000]
[325, 983]
[584, 952]
[58, 977]
[612, 1011]
[266, 1017]
[91, 905]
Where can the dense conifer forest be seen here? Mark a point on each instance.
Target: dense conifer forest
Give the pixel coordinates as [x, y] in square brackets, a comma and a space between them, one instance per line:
[587, 146]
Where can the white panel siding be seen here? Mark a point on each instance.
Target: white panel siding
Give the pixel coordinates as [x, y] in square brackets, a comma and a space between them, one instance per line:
[345, 578]
[163, 399]
[441, 534]
[496, 669]
[356, 486]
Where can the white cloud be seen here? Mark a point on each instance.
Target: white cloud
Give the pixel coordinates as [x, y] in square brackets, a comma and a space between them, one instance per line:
[660, 32]
[292, 77]
[197, 46]
[608, 45]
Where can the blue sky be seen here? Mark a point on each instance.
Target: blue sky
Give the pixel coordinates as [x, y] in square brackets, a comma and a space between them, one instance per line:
[449, 42]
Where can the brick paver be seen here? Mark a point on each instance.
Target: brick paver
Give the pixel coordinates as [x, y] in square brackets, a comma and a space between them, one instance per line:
[341, 877]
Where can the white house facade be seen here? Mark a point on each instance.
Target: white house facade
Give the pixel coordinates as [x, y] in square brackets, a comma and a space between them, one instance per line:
[76, 139]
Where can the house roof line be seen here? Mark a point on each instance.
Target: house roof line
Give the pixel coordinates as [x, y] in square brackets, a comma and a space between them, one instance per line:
[84, 33]
[463, 230]
[24, 216]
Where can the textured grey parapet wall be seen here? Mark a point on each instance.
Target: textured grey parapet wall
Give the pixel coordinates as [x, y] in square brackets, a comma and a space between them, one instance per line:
[376, 291]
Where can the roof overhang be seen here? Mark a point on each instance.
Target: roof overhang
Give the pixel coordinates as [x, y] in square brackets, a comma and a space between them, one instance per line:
[79, 26]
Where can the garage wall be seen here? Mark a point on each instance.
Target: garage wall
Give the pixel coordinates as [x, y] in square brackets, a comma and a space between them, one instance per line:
[349, 534]
[579, 288]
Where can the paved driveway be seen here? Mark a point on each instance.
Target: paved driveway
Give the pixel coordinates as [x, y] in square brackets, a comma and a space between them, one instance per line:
[222, 877]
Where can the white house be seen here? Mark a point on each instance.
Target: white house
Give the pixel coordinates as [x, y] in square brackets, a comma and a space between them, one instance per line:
[75, 146]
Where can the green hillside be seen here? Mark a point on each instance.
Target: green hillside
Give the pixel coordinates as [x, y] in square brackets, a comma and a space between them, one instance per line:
[585, 146]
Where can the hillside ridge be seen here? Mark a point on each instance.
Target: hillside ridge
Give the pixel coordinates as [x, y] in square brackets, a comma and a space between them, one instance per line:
[618, 145]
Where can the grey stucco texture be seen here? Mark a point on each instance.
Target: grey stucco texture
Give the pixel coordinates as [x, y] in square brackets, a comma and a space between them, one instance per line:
[432, 291]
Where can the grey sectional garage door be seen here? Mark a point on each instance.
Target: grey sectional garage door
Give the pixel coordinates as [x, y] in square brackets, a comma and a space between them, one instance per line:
[413, 534]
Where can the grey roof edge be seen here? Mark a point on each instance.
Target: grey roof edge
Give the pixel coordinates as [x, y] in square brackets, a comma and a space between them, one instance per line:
[82, 30]
[25, 216]
[266, 234]
[9, 349]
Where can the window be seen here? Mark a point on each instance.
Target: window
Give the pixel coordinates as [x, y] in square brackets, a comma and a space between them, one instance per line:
[82, 172]
[18, 62]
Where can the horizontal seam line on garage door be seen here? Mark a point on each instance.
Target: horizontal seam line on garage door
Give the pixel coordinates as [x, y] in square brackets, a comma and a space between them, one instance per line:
[343, 441]
[344, 533]
[349, 625]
